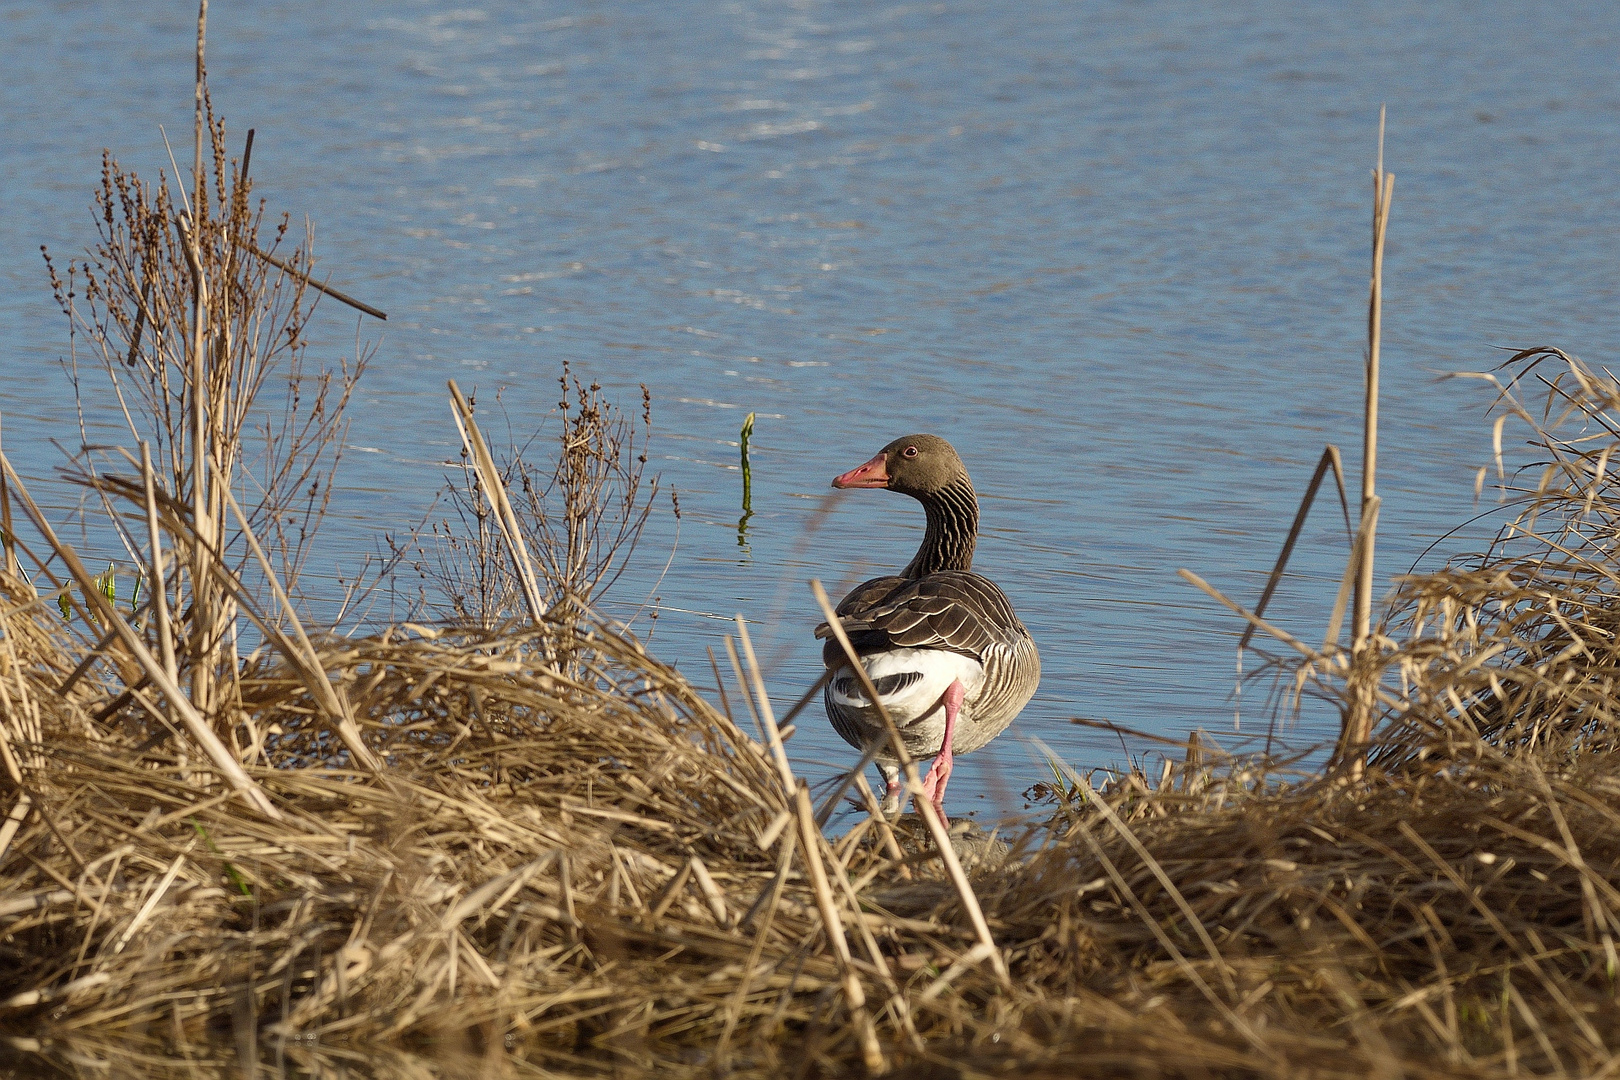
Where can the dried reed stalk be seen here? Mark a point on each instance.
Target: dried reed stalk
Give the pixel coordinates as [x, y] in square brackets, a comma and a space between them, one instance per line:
[810, 844]
[1351, 751]
[1330, 459]
[193, 720]
[160, 590]
[548, 880]
[495, 492]
[924, 808]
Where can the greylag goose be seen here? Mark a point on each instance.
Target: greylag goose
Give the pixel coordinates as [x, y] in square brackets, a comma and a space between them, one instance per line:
[949, 660]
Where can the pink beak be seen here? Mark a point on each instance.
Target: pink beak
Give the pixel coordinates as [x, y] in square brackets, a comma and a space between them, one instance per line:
[874, 474]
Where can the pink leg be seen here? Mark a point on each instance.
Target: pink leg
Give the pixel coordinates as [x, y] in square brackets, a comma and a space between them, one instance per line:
[939, 773]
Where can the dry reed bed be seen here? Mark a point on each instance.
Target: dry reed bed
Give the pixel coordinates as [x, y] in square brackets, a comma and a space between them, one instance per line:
[550, 855]
[560, 871]
[570, 862]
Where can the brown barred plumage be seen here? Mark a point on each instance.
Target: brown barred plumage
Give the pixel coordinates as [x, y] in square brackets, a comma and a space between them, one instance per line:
[936, 604]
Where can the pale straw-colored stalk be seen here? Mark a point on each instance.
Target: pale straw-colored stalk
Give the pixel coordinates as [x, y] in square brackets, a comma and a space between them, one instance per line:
[925, 808]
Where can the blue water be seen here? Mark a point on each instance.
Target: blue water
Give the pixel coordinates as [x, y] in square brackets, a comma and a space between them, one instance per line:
[1117, 253]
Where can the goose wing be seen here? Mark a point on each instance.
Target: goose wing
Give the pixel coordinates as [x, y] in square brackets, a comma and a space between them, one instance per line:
[955, 610]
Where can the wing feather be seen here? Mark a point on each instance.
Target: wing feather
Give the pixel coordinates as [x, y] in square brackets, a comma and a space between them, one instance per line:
[955, 610]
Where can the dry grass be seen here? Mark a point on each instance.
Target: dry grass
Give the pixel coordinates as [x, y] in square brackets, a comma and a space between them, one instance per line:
[566, 876]
[529, 848]
[574, 524]
[600, 874]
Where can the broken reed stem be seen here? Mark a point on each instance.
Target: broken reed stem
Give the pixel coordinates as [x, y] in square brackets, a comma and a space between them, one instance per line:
[1358, 718]
[307, 279]
[720, 686]
[221, 758]
[305, 657]
[764, 713]
[919, 801]
[797, 793]
[742, 685]
[159, 589]
[200, 384]
[201, 514]
[1330, 459]
[854, 995]
[495, 491]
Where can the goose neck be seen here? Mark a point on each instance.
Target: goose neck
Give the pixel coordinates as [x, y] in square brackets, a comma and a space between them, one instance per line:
[953, 528]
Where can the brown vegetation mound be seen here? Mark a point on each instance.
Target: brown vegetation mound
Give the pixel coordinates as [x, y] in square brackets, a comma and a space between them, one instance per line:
[570, 863]
[530, 848]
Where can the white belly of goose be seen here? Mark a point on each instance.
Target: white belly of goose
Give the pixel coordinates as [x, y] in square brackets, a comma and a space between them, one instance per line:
[910, 682]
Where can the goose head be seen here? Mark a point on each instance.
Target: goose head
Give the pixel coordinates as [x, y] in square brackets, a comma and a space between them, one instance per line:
[915, 465]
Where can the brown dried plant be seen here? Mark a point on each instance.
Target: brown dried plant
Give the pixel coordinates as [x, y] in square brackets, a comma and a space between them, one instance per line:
[189, 314]
[438, 853]
[1514, 648]
[595, 872]
[1517, 648]
[581, 517]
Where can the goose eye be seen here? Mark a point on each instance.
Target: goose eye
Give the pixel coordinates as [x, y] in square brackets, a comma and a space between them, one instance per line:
[910, 451]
